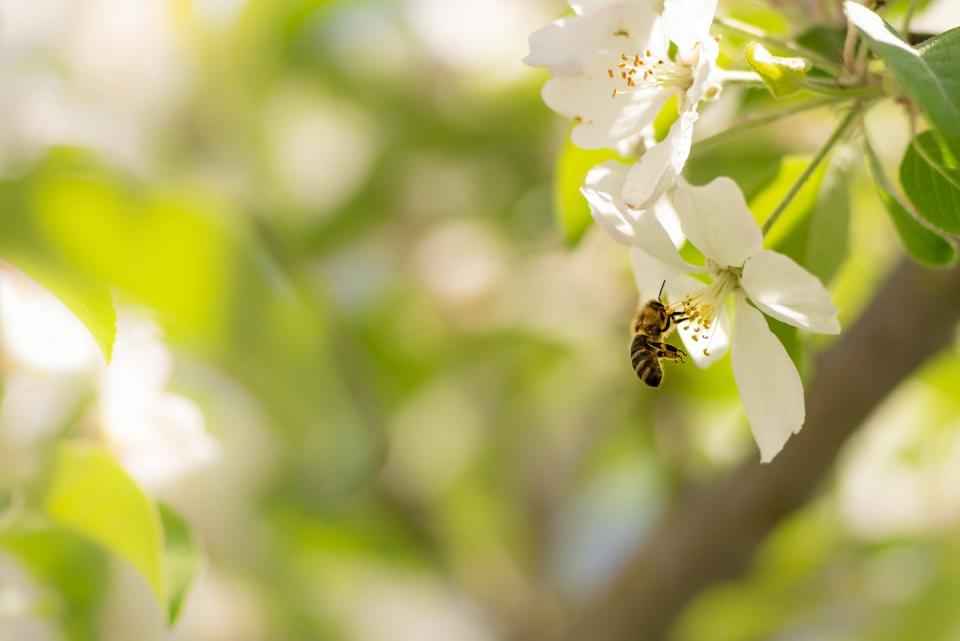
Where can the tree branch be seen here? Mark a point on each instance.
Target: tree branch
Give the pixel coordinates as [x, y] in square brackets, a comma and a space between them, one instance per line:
[713, 532]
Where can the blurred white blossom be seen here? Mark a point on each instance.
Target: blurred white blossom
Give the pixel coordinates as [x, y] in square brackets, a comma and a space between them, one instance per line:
[39, 333]
[158, 437]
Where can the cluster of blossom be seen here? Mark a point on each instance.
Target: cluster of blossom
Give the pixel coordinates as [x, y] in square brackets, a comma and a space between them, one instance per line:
[157, 436]
[614, 65]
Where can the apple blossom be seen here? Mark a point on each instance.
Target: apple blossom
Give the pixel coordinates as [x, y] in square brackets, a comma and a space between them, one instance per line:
[612, 67]
[716, 220]
[158, 437]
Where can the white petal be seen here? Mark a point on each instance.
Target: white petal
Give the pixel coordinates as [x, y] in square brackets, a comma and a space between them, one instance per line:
[716, 341]
[783, 289]
[640, 229]
[559, 46]
[658, 169]
[650, 274]
[162, 442]
[706, 75]
[603, 121]
[687, 22]
[768, 382]
[667, 216]
[613, 29]
[716, 219]
[589, 6]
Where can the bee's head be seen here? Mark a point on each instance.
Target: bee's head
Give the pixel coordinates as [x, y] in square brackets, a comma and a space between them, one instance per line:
[652, 319]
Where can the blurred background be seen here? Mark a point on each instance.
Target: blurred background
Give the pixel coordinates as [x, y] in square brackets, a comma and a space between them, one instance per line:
[359, 357]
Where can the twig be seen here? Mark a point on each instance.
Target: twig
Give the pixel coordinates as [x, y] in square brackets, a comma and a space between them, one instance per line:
[812, 167]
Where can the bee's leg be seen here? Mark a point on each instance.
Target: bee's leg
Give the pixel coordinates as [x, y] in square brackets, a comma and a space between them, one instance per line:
[673, 353]
[668, 351]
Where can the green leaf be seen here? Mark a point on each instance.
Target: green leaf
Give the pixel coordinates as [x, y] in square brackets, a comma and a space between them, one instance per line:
[796, 215]
[930, 176]
[90, 494]
[930, 74]
[782, 76]
[665, 118]
[829, 235]
[74, 572]
[924, 245]
[181, 559]
[571, 209]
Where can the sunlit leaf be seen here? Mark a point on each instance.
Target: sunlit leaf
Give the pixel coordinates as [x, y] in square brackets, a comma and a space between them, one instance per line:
[924, 245]
[665, 119]
[90, 494]
[829, 236]
[88, 298]
[73, 571]
[573, 164]
[929, 74]
[930, 176]
[798, 211]
[181, 559]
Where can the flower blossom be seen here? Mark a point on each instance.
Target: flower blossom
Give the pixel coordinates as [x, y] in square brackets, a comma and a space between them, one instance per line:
[613, 73]
[157, 436]
[716, 220]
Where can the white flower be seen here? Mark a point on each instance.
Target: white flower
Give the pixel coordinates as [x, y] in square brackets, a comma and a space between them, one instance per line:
[158, 437]
[39, 333]
[715, 219]
[613, 72]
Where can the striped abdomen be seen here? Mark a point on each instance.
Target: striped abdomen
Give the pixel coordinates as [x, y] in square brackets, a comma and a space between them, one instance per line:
[645, 362]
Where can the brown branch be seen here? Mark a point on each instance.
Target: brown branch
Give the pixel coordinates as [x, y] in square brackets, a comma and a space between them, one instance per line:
[713, 532]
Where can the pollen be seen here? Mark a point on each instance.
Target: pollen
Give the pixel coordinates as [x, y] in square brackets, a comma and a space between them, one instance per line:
[642, 71]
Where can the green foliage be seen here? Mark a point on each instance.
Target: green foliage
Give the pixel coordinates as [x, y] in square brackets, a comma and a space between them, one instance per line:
[89, 493]
[571, 210]
[930, 75]
[73, 572]
[829, 237]
[795, 217]
[782, 76]
[922, 243]
[85, 296]
[665, 119]
[930, 177]
[181, 559]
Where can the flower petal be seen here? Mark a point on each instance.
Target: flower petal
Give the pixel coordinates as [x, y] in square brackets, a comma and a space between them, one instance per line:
[667, 216]
[687, 22]
[716, 219]
[704, 350]
[589, 6]
[639, 229]
[781, 288]
[658, 169]
[603, 120]
[650, 274]
[768, 382]
[612, 28]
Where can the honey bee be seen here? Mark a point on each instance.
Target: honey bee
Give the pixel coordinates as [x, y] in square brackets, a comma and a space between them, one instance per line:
[651, 327]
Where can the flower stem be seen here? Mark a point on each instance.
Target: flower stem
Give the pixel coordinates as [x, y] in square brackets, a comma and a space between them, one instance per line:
[749, 32]
[812, 167]
[907, 18]
[829, 88]
[754, 122]
[732, 76]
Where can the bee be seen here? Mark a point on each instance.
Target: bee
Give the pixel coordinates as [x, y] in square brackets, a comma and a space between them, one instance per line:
[651, 326]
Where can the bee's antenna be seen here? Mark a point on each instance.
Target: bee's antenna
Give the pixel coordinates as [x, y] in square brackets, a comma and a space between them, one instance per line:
[660, 295]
